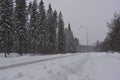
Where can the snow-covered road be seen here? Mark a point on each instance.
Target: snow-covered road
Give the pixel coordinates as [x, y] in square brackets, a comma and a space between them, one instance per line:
[91, 66]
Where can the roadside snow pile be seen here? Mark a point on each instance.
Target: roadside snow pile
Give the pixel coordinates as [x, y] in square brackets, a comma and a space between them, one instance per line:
[91, 66]
[58, 69]
[26, 58]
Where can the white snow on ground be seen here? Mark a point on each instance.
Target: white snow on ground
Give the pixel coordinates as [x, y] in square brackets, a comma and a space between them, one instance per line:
[106, 66]
[15, 58]
[91, 66]
[11, 55]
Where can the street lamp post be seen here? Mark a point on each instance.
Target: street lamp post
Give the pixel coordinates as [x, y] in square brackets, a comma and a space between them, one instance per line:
[86, 36]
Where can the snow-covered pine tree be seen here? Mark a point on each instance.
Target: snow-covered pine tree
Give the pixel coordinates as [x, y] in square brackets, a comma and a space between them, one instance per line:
[43, 39]
[112, 41]
[0, 26]
[33, 26]
[6, 26]
[51, 23]
[54, 32]
[69, 40]
[21, 30]
[30, 7]
[61, 34]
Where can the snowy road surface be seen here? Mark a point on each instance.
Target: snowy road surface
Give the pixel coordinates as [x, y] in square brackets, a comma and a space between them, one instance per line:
[92, 66]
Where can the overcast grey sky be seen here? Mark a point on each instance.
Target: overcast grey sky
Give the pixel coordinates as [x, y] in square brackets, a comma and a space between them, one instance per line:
[91, 13]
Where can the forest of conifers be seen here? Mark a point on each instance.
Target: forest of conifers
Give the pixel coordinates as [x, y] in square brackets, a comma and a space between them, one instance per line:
[33, 29]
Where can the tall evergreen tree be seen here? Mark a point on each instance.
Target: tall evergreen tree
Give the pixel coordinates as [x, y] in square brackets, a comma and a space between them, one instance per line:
[54, 31]
[33, 25]
[61, 34]
[70, 47]
[112, 41]
[21, 30]
[43, 39]
[6, 26]
[52, 24]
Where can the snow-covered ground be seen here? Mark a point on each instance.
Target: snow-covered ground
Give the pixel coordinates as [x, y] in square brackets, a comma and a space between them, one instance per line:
[86, 66]
[14, 58]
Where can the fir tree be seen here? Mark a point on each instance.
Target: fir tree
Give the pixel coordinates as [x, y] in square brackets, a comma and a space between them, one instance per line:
[43, 39]
[70, 47]
[61, 34]
[6, 26]
[33, 25]
[21, 30]
[54, 31]
[51, 22]
[112, 41]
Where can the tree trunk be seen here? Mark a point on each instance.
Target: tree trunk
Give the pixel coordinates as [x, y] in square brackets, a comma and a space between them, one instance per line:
[5, 55]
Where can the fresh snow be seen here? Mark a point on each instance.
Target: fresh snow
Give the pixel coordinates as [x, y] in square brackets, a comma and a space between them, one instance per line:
[83, 66]
[15, 58]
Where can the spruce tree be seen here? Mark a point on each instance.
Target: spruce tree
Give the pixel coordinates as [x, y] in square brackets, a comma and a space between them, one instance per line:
[69, 40]
[52, 24]
[6, 26]
[43, 39]
[112, 41]
[21, 30]
[54, 31]
[33, 25]
[61, 34]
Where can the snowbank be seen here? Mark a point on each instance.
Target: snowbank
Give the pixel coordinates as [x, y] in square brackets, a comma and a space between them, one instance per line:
[58, 69]
[91, 66]
[15, 58]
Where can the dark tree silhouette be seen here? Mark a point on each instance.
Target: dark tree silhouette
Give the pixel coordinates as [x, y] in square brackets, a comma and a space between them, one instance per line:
[112, 41]
[6, 26]
[20, 23]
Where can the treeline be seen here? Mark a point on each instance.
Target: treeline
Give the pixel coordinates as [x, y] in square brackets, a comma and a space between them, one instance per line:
[33, 29]
[112, 40]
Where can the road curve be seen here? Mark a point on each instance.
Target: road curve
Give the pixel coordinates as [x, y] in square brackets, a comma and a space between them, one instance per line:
[32, 62]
